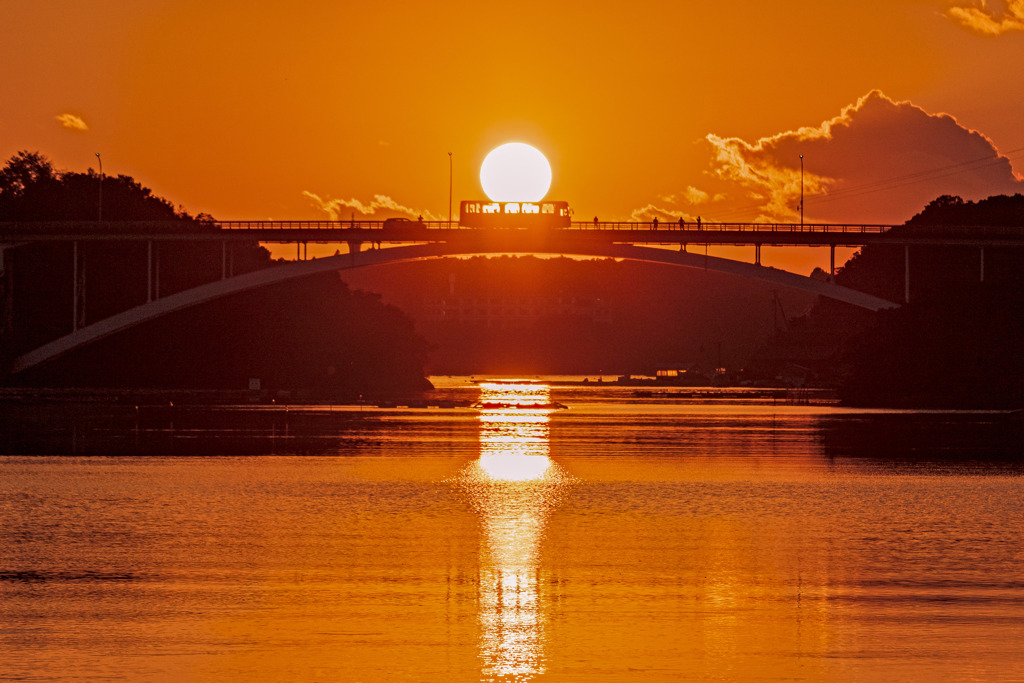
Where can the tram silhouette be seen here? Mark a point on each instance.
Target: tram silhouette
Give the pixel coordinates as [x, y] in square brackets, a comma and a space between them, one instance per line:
[541, 215]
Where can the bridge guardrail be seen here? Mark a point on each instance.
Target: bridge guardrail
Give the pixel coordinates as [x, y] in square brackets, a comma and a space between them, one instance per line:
[140, 229]
[575, 225]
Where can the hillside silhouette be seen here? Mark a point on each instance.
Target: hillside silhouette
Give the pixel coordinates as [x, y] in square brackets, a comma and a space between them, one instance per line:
[314, 336]
[530, 315]
[959, 342]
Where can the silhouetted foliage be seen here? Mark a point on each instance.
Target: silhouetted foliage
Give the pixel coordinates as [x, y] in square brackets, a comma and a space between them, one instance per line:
[209, 349]
[961, 351]
[958, 343]
[312, 337]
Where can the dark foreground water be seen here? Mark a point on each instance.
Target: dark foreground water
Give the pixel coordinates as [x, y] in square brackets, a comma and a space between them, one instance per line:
[625, 538]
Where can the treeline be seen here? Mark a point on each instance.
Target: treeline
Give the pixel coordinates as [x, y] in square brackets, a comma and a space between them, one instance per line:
[314, 336]
[958, 342]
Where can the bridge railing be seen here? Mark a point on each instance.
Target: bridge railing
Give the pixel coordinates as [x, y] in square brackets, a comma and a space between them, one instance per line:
[575, 225]
[707, 226]
[409, 228]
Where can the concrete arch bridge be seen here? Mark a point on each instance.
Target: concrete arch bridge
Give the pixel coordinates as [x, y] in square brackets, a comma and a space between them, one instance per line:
[406, 247]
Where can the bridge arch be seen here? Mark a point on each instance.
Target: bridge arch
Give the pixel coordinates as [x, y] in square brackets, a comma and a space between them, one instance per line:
[281, 273]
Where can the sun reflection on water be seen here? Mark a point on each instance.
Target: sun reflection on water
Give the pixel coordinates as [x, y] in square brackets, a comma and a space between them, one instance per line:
[514, 486]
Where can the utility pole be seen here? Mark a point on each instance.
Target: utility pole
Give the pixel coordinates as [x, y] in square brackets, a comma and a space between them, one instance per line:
[100, 160]
[801, 192]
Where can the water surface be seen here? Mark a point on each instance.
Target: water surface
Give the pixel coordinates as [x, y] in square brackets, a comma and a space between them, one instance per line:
[624, 536]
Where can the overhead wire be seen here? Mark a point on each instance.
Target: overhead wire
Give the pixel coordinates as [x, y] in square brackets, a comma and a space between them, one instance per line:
[895, 182]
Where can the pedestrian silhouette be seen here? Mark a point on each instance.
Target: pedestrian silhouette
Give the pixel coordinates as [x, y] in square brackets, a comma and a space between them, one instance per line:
[698, 222]
[654, 223]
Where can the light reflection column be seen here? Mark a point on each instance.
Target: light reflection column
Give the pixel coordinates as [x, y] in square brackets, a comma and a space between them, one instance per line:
[513, 486]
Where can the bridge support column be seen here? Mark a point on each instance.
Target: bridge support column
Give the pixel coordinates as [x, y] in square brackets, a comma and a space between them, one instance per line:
[74, 286]
[354, 247]
[6, 297]
[906, 273]
[832, 264]
[982, 276]
[757, 254]
[77, 288]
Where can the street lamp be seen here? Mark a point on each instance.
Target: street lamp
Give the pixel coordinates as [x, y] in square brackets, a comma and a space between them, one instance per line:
[801, 191]
[449, 190]
[100, 160]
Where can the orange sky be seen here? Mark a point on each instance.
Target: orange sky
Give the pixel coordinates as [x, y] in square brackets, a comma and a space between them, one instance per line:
[255, 109]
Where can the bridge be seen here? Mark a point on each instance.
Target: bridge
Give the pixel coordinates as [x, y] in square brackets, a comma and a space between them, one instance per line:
[393, 241]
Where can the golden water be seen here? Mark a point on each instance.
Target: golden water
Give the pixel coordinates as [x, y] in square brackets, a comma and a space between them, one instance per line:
[616, 540]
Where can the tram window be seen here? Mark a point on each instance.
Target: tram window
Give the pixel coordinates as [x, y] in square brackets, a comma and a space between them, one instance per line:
[512, 207]
[547, 208]
[492, 208]
[531, 208]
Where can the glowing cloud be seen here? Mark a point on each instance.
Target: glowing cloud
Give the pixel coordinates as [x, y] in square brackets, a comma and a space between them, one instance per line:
[695, 196]
[983, 20]
[342, 209]
[649, 212]
[879, 160]
[72, 122]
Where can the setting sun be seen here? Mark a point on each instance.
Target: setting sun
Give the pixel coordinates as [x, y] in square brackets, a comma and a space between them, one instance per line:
[515, 172]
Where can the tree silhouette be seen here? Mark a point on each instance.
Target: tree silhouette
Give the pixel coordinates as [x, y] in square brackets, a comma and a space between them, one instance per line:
[212, 346]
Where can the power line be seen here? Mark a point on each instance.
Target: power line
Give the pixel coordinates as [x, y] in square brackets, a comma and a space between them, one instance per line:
[896, 182]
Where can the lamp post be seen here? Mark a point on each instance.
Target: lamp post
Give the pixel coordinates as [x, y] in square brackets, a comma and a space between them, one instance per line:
[100, 160]
[801, 192]
[449, 190]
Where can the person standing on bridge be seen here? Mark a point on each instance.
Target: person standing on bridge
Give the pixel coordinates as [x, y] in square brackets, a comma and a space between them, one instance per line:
[698, 223]
[682, 224]
[595, 222]
[654, 223]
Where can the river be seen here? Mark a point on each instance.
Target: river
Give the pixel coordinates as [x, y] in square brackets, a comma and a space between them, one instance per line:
[627, 537]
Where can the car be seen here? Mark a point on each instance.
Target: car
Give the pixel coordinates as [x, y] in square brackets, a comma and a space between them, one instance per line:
[401, 223]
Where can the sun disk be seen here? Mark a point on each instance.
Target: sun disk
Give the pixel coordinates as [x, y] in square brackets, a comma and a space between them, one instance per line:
[515, 172]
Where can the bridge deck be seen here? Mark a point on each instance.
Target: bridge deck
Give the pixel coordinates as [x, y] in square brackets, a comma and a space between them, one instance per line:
[778, 234]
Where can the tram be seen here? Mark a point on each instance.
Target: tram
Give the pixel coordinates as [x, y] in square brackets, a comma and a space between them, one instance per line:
[487, 214]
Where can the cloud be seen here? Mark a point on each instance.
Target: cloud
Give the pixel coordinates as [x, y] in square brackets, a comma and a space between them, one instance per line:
[72, 122]
[879, 160]
[647, 213]
[983, 20]
[695, 196]
[343, 209]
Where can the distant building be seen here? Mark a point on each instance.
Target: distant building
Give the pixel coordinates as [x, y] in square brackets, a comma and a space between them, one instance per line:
[683, 374]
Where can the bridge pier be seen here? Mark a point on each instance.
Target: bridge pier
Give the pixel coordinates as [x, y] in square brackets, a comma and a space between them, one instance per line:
[6, 298]
[906, 273]
[757, 254]
[77, 287]
[832, 264]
